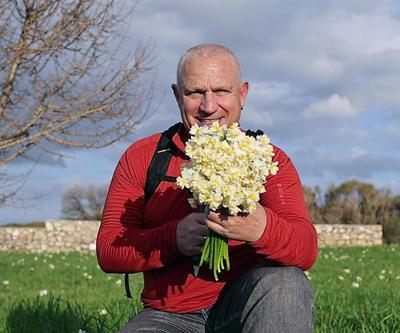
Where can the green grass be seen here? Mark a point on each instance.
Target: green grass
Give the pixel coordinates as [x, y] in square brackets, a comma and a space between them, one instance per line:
[34, 224]
[62, 293]
[357, 290]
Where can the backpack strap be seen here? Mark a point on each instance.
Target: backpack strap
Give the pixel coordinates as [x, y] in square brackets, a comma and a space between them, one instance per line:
[157, 170]
[254, 134]
[156, 173]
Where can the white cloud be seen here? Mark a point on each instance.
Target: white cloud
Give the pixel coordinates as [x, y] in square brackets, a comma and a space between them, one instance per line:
[325, 68]
[334, 106]
[253, 119]
[346, 163]
[394, 129]
[312, 67]
[269, 91]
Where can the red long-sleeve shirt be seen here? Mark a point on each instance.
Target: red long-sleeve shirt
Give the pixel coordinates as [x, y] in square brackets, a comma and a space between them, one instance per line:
[139, 237]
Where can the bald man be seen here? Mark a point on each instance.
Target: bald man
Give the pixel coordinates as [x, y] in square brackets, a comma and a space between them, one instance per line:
[266, 289]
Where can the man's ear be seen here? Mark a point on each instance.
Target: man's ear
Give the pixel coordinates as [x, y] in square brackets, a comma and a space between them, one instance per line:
[176, 92]
[244, 89]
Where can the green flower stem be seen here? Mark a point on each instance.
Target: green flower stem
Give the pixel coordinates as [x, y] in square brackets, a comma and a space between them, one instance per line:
[215, 252]
[205, 251]
[211, 255]
[215, 261]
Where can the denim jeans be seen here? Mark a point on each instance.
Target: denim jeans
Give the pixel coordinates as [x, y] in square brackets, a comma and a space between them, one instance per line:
[265, 299]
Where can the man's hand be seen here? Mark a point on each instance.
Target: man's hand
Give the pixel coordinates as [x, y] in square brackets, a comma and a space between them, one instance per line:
[190, 234]
[243, 228]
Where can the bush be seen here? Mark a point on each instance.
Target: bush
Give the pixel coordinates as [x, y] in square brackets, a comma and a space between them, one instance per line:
[391, 230]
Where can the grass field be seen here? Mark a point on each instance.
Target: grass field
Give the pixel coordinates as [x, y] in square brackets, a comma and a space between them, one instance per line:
[357, 290]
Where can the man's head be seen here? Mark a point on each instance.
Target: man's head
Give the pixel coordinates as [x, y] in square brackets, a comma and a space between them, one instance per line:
[209, 86]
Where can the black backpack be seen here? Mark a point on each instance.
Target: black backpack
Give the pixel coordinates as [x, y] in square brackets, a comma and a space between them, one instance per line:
[156, 173]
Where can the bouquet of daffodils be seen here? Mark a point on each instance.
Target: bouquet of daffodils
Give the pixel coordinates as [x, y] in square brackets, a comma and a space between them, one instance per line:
[227, 172]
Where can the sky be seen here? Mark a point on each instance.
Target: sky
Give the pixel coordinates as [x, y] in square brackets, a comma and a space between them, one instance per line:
[324, 86]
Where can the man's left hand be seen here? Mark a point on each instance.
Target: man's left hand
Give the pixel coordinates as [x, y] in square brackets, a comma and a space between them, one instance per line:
[247, 228]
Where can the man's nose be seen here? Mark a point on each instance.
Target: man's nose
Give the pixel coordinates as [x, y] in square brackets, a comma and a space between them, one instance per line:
[209, 103]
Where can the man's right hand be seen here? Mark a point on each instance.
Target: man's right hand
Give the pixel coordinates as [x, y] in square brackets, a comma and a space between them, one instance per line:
[190, 234]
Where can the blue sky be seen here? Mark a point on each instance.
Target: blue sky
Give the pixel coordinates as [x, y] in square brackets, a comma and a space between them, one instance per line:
[324, 78]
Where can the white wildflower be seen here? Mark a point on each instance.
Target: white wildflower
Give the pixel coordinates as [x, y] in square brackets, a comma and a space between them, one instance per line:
[6, 282]
[358, 278]
[103, 312]
[51, 266]
[118, 282]
[43, 292]
[340, 277]
[355, 284]
[346, 270]
[381, 277]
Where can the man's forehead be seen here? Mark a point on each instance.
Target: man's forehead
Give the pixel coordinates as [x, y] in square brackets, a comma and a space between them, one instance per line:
[220, 68]
[216, 61]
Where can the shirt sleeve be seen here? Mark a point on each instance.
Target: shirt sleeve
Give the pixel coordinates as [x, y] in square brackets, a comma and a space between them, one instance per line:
[123, 244]
[289, 238]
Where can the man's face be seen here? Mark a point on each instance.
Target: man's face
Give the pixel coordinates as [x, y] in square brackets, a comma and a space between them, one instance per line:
[210, 91]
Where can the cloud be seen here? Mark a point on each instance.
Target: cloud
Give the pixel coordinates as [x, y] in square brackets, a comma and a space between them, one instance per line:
[394, 129]
[255, 119]
[343, 164]
[324, 78]
[270, 91]
[36, 156]
[334, 106]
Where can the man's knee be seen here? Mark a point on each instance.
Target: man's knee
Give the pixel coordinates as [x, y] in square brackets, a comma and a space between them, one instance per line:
[282, 301]
[287, 284]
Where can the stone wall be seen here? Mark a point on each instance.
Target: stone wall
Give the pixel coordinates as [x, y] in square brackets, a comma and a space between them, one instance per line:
[64, 236]
[349, 235]
[56, 236]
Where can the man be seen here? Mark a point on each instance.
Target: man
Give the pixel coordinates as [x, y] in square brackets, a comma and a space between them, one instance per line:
[265, 289]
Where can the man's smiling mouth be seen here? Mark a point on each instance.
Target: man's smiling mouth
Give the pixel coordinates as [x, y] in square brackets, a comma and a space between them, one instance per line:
[207, 122]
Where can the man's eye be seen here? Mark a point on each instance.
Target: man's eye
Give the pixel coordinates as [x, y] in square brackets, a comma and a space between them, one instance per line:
[222, 92]
[193, 93]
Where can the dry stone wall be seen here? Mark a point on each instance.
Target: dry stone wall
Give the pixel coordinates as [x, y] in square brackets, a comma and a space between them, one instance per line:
[56, 236]
[349, 234]
[65, 236]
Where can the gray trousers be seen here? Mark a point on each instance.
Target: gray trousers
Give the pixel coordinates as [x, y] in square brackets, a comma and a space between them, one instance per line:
[265, 299]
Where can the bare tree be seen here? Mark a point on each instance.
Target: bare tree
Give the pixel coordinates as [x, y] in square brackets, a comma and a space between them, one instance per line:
[84, 202]
[60, 85]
